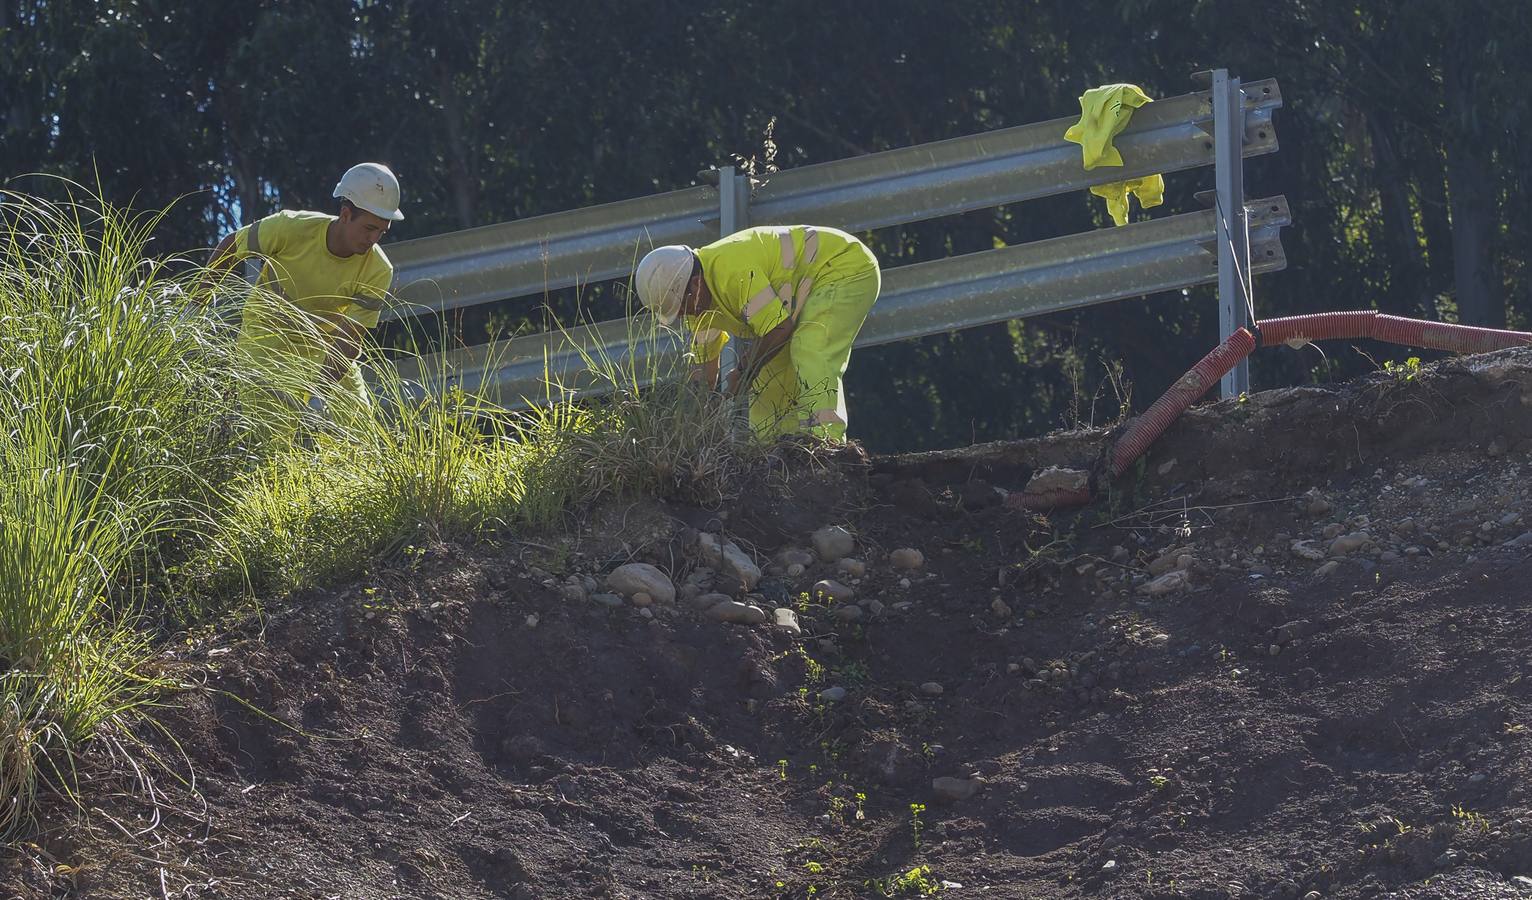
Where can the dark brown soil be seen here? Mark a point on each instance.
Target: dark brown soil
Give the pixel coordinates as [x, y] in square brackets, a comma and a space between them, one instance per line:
[1275, 727]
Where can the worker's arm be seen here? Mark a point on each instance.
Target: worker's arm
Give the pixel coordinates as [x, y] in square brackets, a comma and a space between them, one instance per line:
[222, 258]
[345, 345]
[706, 373]
[760, 353]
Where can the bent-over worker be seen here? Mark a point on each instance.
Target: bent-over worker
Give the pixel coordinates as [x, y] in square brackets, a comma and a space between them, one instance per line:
[322, 285]
[801, 292]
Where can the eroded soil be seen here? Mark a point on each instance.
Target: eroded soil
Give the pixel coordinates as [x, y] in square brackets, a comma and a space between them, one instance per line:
[1331, 699]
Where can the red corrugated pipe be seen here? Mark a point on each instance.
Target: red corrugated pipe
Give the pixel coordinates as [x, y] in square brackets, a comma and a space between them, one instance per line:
[1294, 331]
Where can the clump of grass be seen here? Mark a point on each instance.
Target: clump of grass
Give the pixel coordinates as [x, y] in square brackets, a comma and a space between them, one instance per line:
[113, 430]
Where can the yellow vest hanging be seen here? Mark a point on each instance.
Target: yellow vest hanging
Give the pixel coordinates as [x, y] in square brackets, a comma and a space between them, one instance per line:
[1104, 112]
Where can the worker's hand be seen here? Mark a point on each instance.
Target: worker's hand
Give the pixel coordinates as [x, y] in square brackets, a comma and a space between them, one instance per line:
[318, 408]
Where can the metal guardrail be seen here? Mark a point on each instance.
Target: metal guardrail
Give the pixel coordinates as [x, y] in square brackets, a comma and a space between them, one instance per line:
[926, 298]
[544, 253]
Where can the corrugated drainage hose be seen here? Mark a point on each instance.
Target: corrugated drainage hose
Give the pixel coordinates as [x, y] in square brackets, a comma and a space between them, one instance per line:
[1295, 331]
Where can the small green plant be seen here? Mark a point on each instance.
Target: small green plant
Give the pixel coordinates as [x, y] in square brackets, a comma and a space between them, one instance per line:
[1469, 819]
[917, 882]
[916, 811]
[1409, 370]
[861, 801]
[782, 769]
[1159, 782]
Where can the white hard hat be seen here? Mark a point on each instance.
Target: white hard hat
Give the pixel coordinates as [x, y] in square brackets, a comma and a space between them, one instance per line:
[371, 186]
[661, 280]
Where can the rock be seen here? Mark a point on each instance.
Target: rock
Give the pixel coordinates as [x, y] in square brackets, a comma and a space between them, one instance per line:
[1109, 867]
[1170, 581]
[787, 620]
[907, 558]
[833, 694]
[1317, 504]
[851, 567]
[848, 613]
[1053, 486]
[642, 599]
[1000, 608]
[833, 591]
[795, 556]
[873, 606]
[1168, 560]
[1313, 895]
[955, 789]
[1349, 543]
[611, 601]
[726, 557]
[794, 570]
[1325, 570]
[833, 542]
[739, 613]
[931, 689]
[634, 578]
[738, 563]
[1520, 540]
[574, 590]
[1307, 550]
[532, 620]
[707, 601]
[1332, 531]
[710, 549]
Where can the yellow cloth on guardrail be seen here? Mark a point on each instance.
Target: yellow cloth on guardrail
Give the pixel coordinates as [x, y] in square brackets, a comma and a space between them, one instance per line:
[1104, 112]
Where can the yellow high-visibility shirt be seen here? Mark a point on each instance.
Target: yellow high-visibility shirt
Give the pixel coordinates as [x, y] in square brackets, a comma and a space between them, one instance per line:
[300, 267]
[760, 277]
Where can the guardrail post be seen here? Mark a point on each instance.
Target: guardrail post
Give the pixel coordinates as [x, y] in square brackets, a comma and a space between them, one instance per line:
[733, 215]
[1232, 231]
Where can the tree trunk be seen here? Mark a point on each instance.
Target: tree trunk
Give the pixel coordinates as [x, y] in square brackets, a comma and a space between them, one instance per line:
[459, 171]
[1409, 292]
[1471, 195]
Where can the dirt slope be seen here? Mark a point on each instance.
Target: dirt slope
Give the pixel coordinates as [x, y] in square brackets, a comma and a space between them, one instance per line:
[1283, 658]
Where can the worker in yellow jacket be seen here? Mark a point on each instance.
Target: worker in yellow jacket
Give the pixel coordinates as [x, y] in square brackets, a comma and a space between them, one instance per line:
[322, 284]
[801, 292]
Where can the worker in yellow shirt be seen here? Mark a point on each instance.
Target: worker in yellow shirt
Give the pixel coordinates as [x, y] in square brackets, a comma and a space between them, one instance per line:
[322, 284]
[801, 292]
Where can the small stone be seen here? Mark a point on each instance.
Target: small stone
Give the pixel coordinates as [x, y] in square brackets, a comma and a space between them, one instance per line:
[1307, 550]
[851, 567]
[833, 542]
[611, 601]
[707, 601]
[642, 599]
[907, 558]
[1012, 668]
[1447, 858]
[1325, 570]
[873, 606]
[955, 789]
[833, 694]
[931, 689]
[1313, 895]
[794, 570]
[736, 612]
[1000, 608]
[833, 590]
[1349, 543]
[787, 620]
[1274, 650]
[795, 556]
[904, 582]
[633, 578]
[1109, 866]
[573, 590]
[646, 613]
[1170, 581]
[848, 613]
[532, 620]
[1165, 467]
[1520, 540]
[1317, 504]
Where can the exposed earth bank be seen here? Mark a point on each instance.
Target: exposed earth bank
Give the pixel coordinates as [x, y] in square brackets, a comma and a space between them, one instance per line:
[1284, 657]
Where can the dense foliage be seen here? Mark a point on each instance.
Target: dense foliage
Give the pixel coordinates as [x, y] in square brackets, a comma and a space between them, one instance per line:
[1400, 143]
